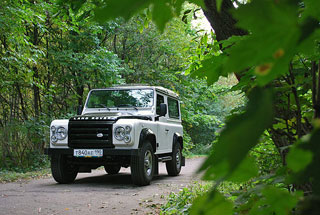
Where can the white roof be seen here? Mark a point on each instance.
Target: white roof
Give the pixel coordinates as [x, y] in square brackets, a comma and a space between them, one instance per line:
[140, 86]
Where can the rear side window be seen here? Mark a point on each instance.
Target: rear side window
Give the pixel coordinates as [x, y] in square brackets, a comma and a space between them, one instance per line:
[160, 99]
[173, 106]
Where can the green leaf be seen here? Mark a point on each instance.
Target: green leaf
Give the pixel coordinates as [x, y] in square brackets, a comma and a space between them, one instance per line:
[161, 13]
[162, 10]
[298, 159]
[211, 68]
[219, 3]
[242, 132]
[177, 5]
[198, 2]
[309, 173]
[272, 40]
[124, 8]
[246, 170]
[312, 8]
[213, 203]
[276, 201]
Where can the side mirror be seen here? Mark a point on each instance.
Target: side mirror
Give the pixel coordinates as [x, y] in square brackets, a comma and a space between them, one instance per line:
[79, 110]
[163, 109]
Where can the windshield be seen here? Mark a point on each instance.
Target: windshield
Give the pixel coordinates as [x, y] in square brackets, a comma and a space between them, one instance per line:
[120, 98]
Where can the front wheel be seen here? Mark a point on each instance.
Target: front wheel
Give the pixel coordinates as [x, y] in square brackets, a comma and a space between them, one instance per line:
[63, 171]
[174, 166]
[142, 167]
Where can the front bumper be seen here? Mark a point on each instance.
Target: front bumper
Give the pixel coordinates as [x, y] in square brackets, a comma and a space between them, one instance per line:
[123, 152]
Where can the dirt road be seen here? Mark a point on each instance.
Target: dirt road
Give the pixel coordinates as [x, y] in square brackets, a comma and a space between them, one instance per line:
[95, 193]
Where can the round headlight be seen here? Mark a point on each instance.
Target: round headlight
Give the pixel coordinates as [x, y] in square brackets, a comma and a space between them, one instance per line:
[119, 133]
[128, 129]
[53, 129]
[54, 139]
[61, 133]
[127, 138]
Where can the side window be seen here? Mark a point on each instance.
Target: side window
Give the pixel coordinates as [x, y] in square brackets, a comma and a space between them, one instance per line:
[160, 99]
[173, 106]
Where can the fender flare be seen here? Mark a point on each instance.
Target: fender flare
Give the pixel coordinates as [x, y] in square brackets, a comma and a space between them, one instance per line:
[148, 134]
[177, 138]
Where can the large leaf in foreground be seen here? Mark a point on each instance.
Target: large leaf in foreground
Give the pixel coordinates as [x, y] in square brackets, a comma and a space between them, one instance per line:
[162, 11]
[211, 68]
[272, 40]
[242, 132]
[212, 203]
[307, 171]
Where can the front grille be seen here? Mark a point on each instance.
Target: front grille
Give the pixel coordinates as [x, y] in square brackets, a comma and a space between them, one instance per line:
[90, 134]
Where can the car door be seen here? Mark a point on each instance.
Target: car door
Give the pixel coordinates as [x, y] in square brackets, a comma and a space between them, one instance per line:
[173, 120]
[163, 130]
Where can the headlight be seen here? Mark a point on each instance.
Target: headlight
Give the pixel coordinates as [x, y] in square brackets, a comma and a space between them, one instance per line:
[119, 133]
[61, 133]
[53, 129]
[128, 129]
[54, 139]
[123, 133]
[127, 138]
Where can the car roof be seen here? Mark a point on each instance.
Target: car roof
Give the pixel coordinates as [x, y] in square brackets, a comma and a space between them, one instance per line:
[140, 86]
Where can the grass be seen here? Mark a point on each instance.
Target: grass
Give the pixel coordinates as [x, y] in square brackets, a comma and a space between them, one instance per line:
[12, 176]
[180, 203]
[196, 156]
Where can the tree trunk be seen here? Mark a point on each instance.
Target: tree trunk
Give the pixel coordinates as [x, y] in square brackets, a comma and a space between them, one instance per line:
[36, 90]
[222, 22]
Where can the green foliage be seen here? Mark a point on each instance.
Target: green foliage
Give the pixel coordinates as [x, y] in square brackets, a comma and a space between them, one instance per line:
[306, 171]
[266, 155]
[161, 59]
[11, 176]
[201, 128]
[266, 200]
[53, 52]
[298, 159]
[275, 201]
[218, 205]
[233, 145]
[22, 145]
[280, 52]
[181, 202]
[162, 11]
[49, 58]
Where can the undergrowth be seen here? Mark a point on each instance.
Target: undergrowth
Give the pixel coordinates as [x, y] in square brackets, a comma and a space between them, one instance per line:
[11, 176]
[180, 203]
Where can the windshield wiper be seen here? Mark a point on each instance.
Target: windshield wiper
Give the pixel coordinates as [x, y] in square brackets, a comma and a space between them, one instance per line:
[104, 106]
[127, 105]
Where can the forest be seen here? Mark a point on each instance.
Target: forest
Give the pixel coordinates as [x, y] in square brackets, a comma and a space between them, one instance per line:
[250, 88]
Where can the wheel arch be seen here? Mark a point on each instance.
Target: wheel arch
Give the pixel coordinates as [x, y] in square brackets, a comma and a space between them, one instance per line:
[177, 138]
[148, 134]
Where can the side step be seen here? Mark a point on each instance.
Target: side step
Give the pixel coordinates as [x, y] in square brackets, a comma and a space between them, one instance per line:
[164, 159]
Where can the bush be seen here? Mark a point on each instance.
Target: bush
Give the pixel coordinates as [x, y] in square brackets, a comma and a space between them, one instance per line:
[266, 155]
[181, 202]
[22, 145]
[202, 131]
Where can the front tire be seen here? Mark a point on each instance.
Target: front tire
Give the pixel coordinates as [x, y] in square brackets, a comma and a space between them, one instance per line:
[174, 166]
[142, 167]
[63, 172]
[112, 170]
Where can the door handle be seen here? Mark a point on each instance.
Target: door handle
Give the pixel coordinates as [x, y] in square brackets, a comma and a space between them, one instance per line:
[166, 130]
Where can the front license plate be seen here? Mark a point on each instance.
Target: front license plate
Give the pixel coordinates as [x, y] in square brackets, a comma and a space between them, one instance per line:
[88, 153]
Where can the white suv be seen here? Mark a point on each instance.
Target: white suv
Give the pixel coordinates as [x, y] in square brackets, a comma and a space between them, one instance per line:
[136, 126]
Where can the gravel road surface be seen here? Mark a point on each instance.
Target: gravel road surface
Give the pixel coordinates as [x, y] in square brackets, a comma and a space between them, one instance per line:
[95, 193]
